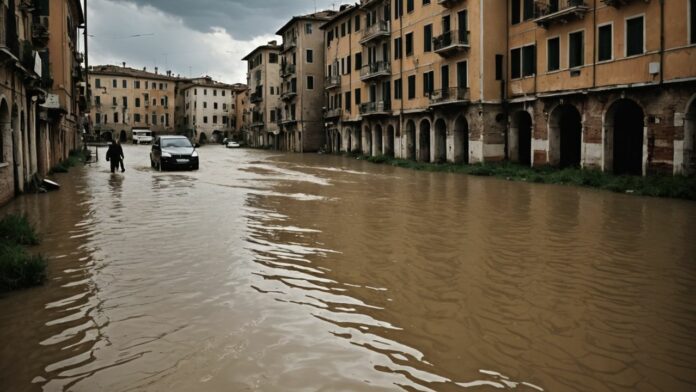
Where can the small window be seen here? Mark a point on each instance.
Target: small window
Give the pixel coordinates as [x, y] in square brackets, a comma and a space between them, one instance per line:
[516, 63]
[528, 60]
[98, 83]
[357, 23]
[634, 36]
[214, 119]
[343, 29]
[515, 12]
[604, 43]
[357, 96]
[136, 84]
[397, 89]
[528, 9]
[553, 54]
[310, 56]
[428, 83]
[428, 38]
[273, 58]
[692, 21]
[308, 28]
[310, 82]
[576, 47]
[205, 119]
[412, 87]
[409, 5]
[205, 105]
[124, 83]
[347, 101]
[409, 44]
[114, 83]
[397, 48]
[137, 102]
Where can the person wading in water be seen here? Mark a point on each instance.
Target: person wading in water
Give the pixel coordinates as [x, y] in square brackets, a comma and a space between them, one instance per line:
[115, 155]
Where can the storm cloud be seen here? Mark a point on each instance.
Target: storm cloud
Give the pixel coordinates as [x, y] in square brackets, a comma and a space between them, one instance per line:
[189, 37]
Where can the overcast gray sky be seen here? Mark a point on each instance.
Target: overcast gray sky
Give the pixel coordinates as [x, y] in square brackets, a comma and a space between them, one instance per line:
[189, 37]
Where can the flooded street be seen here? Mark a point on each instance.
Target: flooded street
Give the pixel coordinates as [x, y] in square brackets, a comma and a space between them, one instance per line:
[275, 272]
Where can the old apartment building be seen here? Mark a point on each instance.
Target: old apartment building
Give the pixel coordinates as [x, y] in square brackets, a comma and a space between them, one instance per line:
[605, 84]
[302, 87]
[42, 89]
[208, 109]
[263, 80]
[126, 98]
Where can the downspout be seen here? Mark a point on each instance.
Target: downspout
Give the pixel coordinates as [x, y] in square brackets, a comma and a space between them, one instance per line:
[503, 84]
[88, 95]
[401, 77]
[594, 45]
[662, 41]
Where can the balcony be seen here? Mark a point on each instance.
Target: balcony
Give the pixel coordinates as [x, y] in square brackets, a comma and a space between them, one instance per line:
[375, 70]
[449, 96]
[256, 97]
[333, 113]
[287, 70]
[288, 122]
[381, 29]
[451, 42]
[332, 81]
[289, 43]
[448, 3]
[559, 11]
[380, 108]
[288, 95]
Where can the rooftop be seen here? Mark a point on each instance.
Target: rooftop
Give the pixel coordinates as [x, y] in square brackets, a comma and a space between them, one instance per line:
[320, 16]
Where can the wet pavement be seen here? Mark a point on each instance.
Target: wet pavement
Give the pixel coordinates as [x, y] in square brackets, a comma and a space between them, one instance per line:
[273, 272]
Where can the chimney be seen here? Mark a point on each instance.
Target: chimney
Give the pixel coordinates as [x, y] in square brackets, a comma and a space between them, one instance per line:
[273, 43]
[145, 69]
[156, 69]
[169, 73]
[124, 64]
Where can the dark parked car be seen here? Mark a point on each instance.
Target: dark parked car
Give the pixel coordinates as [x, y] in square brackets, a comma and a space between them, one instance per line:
[170, 152]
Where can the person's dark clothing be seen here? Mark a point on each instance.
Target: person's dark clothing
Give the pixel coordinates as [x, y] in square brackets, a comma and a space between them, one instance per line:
[115, 155]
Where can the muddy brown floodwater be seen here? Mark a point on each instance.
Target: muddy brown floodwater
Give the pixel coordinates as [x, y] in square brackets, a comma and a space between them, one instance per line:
[276, 272]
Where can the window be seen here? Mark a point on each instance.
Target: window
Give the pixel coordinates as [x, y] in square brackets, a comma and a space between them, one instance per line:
[409, 5]
[214, 119]
[528, 60]
[347, 101]
[310, 56]
[409, 44]
[124, 83]
[692, 21]
[273, 116]
[498, 67]
[205, 119]
[343, 29]
[154, 101]
[308, 28]
[98, 83]
[97, 119]
[136, 84]
[162, 101]
[515, 12]
[358, 61]
[154, 119]
[412, 87]
[357, 96]
[428, 83]
[161, 86]
[97, 100]
[136, 117]
[114, 83]
[273, 58]
[348, 64]
[428, 38]
[146, 85]
[125, 102]
[205, 105]
[397, 48]
[205, 91]
[116, 118]
[397, 88]
[214, 93]
[215, 105]
[310, 82]
[604, 42]
[426, 2]
[634, 36]
[553, 54]
[575, 49]
[528, 9]
[398, 8]
[114, 102]
[357, 22]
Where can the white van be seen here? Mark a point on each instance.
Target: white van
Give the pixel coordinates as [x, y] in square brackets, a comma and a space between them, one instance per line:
[142, 136]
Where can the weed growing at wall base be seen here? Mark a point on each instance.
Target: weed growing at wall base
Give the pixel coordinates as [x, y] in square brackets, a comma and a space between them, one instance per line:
[678, 187]
[76, 157]
[18, 268]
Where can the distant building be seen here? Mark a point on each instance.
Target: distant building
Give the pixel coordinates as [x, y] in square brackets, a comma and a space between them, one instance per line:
[125, 98]
[263, 79]
[302, 89]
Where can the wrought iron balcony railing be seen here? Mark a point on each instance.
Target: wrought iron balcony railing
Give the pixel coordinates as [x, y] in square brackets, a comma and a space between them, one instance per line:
[375, 108]
[374, 70]
[561, 11]
[332, 81]
[381, 29]
[451, 95]
[450, 42]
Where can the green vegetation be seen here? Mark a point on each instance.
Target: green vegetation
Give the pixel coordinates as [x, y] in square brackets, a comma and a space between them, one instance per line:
[76, 157]
[658, 186]
[18, 268]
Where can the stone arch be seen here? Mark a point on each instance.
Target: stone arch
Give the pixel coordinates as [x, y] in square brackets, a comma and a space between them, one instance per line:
[347, 138]
[424, 140]
[685, 149]
[357, 139]
[410, 136]
[520, 138]
[123, 136]
[367, 145]
[203, 138]
[106, 136]
[565, 136]
[389, 141]
[460, 148]
[440, 141]
[624, 138]
[378, 138]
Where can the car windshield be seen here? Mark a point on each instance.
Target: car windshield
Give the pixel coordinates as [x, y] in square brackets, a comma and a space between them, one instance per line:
[176, 143]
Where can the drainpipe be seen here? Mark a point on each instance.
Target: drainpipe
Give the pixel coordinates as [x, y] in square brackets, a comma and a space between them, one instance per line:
[401, 77]
[662, 41]
[503, 85]
[594, 44]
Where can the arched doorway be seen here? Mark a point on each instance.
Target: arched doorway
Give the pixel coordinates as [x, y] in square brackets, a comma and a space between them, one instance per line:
[217, 137]
[424, 141]
[410, 135]
[367, 150]
[378, 140]
[461, 140]
[686, 163]
[440, 147]
[202, 138]
[389, 142]
[357, 140]
[106, 136]
[122, 136]
[520, 138]
[624, 127]
[565, 136]
[348, 133]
